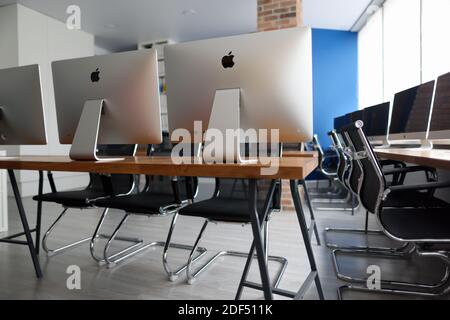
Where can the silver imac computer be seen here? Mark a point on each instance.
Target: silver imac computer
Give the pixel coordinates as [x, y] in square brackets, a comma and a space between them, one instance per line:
[111, 99]
[22, 120]
[376, 122]
[440, 119]
[411, 115]
[252, 81]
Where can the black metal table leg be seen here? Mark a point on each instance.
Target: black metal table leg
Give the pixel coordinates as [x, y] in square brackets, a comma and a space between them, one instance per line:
[39, 214]
[262, 218]
[256, 227]
[306, 239]
[26, 228]
[311, 211]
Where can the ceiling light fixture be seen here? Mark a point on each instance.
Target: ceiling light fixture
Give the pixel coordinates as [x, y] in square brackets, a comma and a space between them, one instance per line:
[188, 12]
[110, 26]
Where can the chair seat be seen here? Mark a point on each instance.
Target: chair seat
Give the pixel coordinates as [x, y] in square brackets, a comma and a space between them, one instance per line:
[415, 224]
[221, 209]
[77, 199]
[413, 199]
[142, 203]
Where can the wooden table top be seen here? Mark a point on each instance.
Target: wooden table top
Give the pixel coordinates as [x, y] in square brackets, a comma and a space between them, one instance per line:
[300, 154]
[439, 159]
[288, 168]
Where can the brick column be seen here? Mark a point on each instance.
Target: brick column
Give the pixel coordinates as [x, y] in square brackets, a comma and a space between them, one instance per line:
[279, 14]
[274, 15]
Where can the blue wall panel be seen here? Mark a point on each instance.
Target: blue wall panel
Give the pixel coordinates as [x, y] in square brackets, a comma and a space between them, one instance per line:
[335, 75]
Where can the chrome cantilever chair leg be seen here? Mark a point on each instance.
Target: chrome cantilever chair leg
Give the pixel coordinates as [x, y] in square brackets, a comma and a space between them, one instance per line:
[332, 199]
[413, 289]
[405, 254]
[173, 275]
[366, 232]
[137, 247]
[350, 203]
[52, 252]
[192, 276]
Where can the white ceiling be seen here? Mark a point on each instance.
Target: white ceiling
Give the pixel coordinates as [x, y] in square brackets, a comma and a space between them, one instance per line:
[333, 14]
[149, 20]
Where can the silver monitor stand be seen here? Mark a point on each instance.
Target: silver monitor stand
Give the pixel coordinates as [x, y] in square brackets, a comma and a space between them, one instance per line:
[84, 146]
[225, 115]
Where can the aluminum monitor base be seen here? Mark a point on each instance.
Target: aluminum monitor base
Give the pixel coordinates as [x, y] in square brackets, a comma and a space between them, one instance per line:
[84, 145]
[225, 115]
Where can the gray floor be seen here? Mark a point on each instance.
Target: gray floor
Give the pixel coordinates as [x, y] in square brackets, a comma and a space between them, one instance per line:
[143, 277]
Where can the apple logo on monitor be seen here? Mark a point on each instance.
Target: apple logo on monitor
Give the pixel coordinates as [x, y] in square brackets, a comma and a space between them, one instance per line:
[95, 76]
[227, 61]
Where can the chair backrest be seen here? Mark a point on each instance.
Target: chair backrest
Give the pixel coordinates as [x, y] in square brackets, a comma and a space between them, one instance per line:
[120, 183]
[182, 188]
[373, 182]
[344, 165]
[239, 189]
[356, 174]
[318, 147]
[163, 149]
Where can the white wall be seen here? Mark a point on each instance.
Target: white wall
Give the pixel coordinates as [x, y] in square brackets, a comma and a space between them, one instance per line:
[41, 40]
[8, 37]
[99, 51]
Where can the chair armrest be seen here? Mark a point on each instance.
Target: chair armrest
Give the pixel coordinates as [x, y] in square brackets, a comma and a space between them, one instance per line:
[408, 170]
[418, 187]
[392, 163]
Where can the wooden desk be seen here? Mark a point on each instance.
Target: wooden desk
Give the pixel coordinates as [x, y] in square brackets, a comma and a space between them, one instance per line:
[300, 154]
[439, 159]
[290, 168]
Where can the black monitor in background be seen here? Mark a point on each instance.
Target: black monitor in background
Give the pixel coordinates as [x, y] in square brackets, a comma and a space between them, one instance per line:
[341, 122]
[357, 116]
[376, 120]
[411, 112]
[440, 120]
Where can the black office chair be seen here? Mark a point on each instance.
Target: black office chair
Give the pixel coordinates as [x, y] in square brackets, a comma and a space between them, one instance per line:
[161, 197]
[229, 205]
[346, 198]
[353, 180]
[329, 173]
[100, 186]
[423, 227]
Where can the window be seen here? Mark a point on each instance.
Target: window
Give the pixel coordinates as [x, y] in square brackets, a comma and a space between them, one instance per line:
[435, 38]
[370, 55]
[402, 45]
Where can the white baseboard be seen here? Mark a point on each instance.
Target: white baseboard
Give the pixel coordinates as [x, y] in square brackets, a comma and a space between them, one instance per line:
[63, 183]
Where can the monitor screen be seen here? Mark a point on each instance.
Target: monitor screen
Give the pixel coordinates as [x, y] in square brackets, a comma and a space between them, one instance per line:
[357, 115]
[440, 120]
[341, 122]
[376, 120]
[411, 110]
